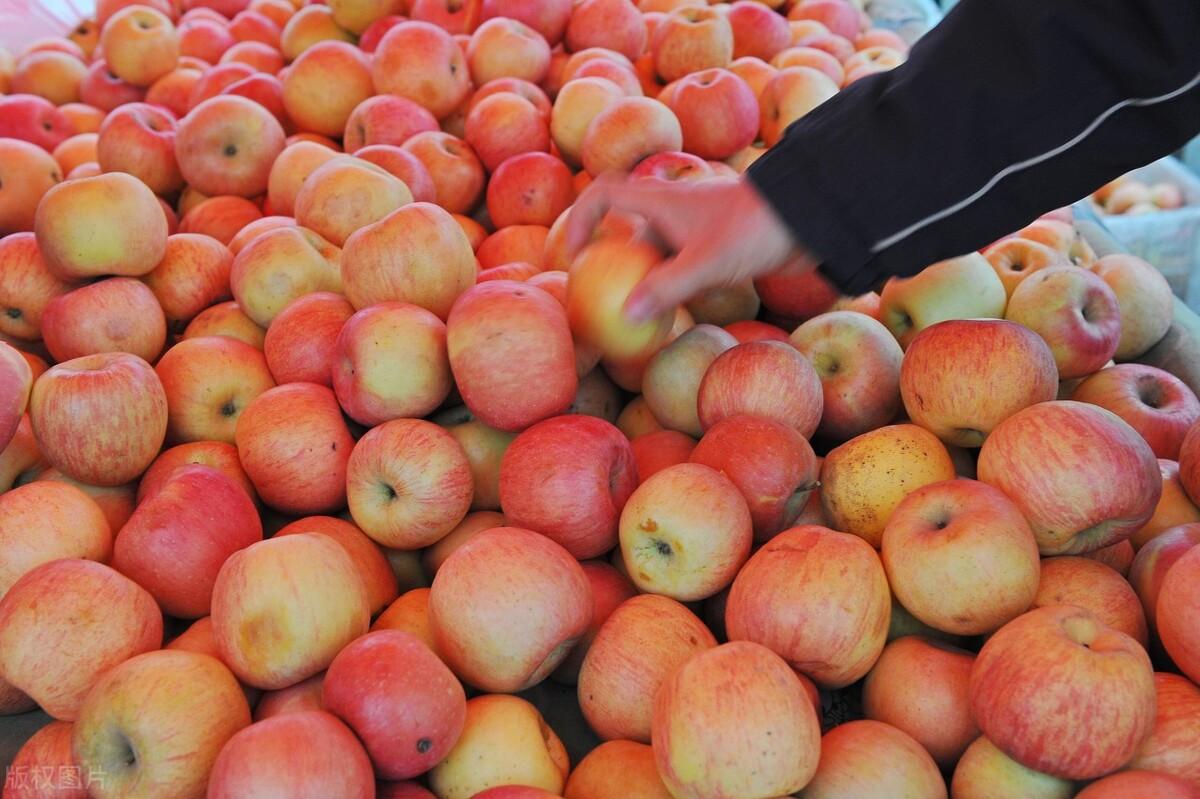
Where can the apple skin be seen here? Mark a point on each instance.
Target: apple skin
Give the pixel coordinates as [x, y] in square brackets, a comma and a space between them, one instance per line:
[295, 447]
[140, 44]
[484, 447]
[324, 85]
[529, 189]
[658, 449]
[1177, 602]
[505, 741]
[421, 62]
[385, 119]
[48, 748]
[960, 557]
[1098, 588]
[644, 640]
[408, 483]
[368, 557]
[610, 588]
[404, 165]
[984, 772]
[100, 419]
[192, 275]
[45, 521]
[409, 614]
[691, 39]
[1082, 477]
[717, 111]
[178, 538]
[168, 712]
[289, 171]
[500, 333]
[110, 224]
[304, 695]
[434, 556]
[26, 285]
[1075, 312]
[499, 633]
[1062, 694]
[402, 702]
[706, 748]
[216, 126]
[1140, 783]
[16, 383]
[756, 33]
[390, 361]
[1144, 298]
[788, 96]
[1016, 258]
[615, 769]
[763, 378]
[782, 598]
[225, 319]
[569, 478]
[280, 266]
[302, 339]
[771, 464]
[1172, 745]
[870, 758]
[1173, 509]
[416, 254]
[454, 169]
[139, 139]
[118, 314]
[1155, 403]
[859, 365]
[577, 104]
[960, 288]
[998, 368]
[627, 131]
[282, 609]
[615, 25]
[106, 618]
[263, 760]
[35, 120]
[1154, 560]
[685, 532]
[345, 195]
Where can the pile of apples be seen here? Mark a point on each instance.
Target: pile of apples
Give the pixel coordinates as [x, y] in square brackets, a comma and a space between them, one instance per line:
[1130, 196]
[318, 446]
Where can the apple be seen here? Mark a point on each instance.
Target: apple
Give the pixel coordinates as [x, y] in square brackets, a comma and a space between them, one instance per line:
[1098, 588]
[262, 759]
[1015, 259]
[1145, 301]
[1075, 312]
[513, 244]
[208, 382]
[505, 125]
[960, 288]
[304, 695]
[369, 560]
[484, 447]
[409, 614]
[859, 365]
[1177, 602]
[228, 320]
[577, 104]
[216, 454]
[672, 379]
[36, 120]
[47, 753]
[685, 532]
[529, 189]
[1154, 560]
[705, 747]
[796, 295]
[222, 217]
[51, 74]
[617, 768]
[28, 173]
[301, 343]
[961, 378]
[874, 758]
[789, 95]
[501, 635]
[324, 85]
[216, 79]
[100, 419]
[422, 63]
[1139, 783]
[26, 285]
[499, 332]
[1118, 557]
[280, 266]
[282, 609]
[454, 168]
[609, 589]
[67, 622]
[1173, 509]
[530, 91]
[78, 149]
[812, 57]
[765, 378]
[45, 521]
[758, 32]
[984, 772]
[643, 641]
[568, 478]
[1189, 463]
[1061, 693]
[107, 225]
[507, 48]
[402, 702]
[960, 557]
[547, 18]
[193, 275]
[404, 165]
[158, 721]
[178, 538]
[628, 130]
[739, 300]
[385, 119]
[140, 44]
[1082, 477]
[772, 604]
[416, 254]
[692, 39]
[434, 556]
[656, 450]
[227, 145]
[119, 314]
[622, 74]
[1156, 404]
[1171, 747]
[16, 381]
[345, 195]
[204, 38]
[615, 25]
[505, 741]
[291, 169]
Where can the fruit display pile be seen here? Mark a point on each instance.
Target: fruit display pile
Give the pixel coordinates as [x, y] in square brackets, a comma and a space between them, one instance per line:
[318, 446]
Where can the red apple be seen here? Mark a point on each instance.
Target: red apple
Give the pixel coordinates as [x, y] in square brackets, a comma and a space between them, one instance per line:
[48, 520]
[209, 381]
[36, 120]
[617, 768]
[656, 450]
[301, 341]
[609, 24]
[1075, 312]
[505, 125]
[610, 588]
[453, 167]
[1171, 747]
[758, 31]
[46, 752]
[216, 454]
[404, 165]
[422, 63]
[26, 285]
[118, 314]
[1177, 602]
[193, 275]
[226, 145]
[764, 378]
[1091, 585]
[876, 759]
[672, 378]
[385, 119]
[1155, 403]
[139, 139]
[1140, 783]
[529, 189]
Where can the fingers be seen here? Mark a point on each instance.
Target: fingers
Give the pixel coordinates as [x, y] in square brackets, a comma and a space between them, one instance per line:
[676, 281]
[650, 199]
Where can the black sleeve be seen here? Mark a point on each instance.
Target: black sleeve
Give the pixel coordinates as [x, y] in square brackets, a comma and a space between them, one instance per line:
[1005, 110]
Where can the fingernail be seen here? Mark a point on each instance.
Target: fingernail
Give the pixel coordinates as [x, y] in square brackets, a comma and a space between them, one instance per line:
[638, 309]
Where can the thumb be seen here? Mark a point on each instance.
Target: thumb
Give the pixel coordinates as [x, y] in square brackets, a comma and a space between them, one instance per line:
[673, 282]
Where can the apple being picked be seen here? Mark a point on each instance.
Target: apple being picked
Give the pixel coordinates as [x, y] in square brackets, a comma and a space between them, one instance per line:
[157, 722]
[1155, 403]
[501, 634]
[1082, 477]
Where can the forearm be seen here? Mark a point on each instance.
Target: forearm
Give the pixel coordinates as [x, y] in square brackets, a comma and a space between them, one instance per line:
[1005, 110]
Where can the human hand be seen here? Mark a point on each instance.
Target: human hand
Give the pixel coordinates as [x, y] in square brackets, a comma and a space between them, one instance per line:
[720, 231]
